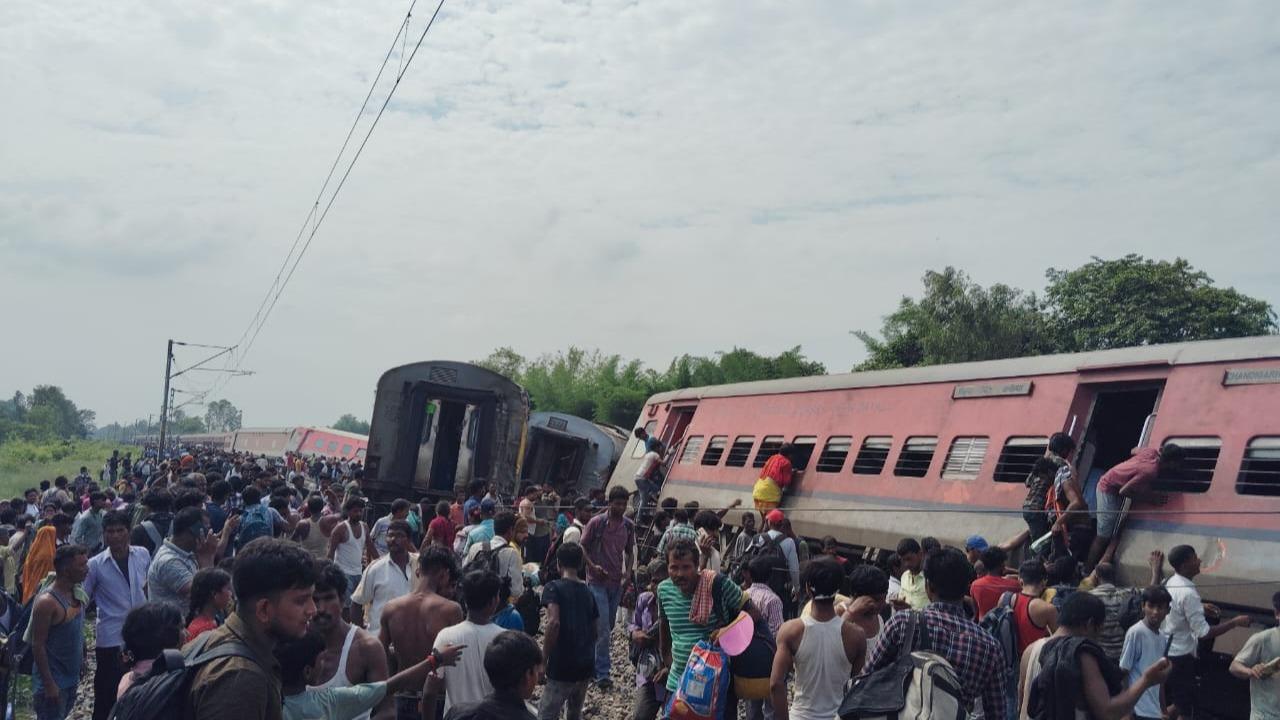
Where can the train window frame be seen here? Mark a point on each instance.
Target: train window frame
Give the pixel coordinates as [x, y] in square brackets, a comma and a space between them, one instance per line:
[800, 459]
[346, 450]
[333, 446]
[863, 452]
[825, 458]
[707, 458]
[909, 460]
[771, 443]
[1195, 446]
[1245, 484]
[692, 449]
[641, 447]
[970, 445]
[1009, 466]
[320, 444]
[734, 448]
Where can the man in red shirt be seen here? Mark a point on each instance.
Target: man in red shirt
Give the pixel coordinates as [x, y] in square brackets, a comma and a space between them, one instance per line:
[1126, 480]
[987, 590]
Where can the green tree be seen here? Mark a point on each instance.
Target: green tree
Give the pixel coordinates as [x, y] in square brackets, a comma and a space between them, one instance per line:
[181, 423]
[1136, 301]
[222, 416]
[349, 423]
[611, 389]
[958, 320]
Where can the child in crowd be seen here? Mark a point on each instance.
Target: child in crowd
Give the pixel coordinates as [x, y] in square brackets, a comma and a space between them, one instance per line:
[1144, 645]
[148, 631]
[569, 637]
[643, 630]
[210, 601]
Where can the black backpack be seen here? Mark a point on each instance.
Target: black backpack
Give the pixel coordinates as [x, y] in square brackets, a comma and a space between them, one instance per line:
[487, 559]
[765, 546]
[164, 692]
[529, 607]
[550, 568]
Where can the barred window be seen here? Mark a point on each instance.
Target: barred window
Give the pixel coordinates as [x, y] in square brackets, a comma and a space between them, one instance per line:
[1260, 471]
[1018, 457]
[1199, 461]
[965, 457]
[740, 451]
[834, 454]
[692, 447]
[916, 456]
[715, 450]
[872, 455]
[768, 447]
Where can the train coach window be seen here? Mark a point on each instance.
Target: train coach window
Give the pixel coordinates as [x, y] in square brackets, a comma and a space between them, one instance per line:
[1197, 468]
[1018, 457]
[692, 446]
[872, 455]
[965, 457]
[916, 455]
[715, 450]
[834, 454]
[320, 444]
[804, 450]
[740, 451]
[333, 446]
[346, 449]
[1260, 471]
[768, 447]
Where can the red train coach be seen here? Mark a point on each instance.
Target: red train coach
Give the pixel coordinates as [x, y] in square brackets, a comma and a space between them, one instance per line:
[944, 450]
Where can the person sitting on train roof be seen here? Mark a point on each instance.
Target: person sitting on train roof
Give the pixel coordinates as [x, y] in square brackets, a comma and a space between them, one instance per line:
[775, 476]
[1127, 480]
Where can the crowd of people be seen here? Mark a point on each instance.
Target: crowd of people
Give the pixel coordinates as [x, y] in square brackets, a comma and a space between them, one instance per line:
[291, 595]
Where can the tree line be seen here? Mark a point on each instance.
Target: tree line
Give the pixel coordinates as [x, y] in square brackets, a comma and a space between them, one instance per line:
[1100, 305]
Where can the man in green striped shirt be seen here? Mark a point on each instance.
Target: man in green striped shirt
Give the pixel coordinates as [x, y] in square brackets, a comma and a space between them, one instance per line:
[678, 634]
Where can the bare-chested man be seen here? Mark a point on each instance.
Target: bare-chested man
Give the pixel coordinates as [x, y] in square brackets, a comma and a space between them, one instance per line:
[351, 655]
[410, 623]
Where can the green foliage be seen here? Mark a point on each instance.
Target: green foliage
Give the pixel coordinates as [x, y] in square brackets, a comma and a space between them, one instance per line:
[957, 320]
[610, 389]
[24, 464]
[44, 415]
[1135, 301]
[222, 416]
[1102, 304]
[349, 423]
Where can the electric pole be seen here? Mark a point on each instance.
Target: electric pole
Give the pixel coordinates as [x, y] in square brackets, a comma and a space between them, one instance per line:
[164, 406]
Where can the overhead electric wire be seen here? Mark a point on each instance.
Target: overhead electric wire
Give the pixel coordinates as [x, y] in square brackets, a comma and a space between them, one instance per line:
[277, 286]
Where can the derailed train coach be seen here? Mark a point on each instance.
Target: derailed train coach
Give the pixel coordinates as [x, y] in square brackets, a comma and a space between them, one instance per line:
[572, 454]
[945, 451]
[438, 426]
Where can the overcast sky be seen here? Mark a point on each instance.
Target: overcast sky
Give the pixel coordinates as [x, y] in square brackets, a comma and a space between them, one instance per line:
[649, 178]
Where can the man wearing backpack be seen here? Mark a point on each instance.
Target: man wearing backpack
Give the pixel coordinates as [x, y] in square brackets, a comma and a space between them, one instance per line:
[151, 532]
[944, 627]
[776, 541]
[273, 581]
[499, 556]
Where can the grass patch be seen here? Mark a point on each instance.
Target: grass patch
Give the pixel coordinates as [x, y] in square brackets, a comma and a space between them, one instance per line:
[24, 464]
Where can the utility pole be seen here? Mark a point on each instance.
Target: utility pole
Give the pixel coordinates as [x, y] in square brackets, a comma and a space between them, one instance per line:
[169, 374]
[164, 406]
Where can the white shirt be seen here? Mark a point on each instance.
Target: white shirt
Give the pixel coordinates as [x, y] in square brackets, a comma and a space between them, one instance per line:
[382, 581]
[1186, 621]
[509, 565]
[650, 459]
[573, 533]
[466, 682]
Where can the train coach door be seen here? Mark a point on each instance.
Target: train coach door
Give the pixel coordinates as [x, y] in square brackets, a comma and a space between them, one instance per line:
[1120, 419]
[677, 422]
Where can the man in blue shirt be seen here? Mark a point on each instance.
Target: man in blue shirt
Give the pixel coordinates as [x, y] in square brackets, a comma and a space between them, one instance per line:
[117, 583]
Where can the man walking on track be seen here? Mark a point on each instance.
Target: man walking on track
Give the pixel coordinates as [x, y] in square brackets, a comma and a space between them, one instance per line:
[609, 541]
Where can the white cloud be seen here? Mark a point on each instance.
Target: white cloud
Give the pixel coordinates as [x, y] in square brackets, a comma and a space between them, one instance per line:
[649, 178]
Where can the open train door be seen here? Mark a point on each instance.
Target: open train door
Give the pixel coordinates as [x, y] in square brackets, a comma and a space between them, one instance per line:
[678, 419]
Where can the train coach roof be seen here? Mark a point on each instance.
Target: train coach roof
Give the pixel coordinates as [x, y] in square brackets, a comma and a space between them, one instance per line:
[1188, 353]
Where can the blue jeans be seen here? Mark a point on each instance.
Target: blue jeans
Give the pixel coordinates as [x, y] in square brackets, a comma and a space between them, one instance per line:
[47, 710]
[607, 599]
